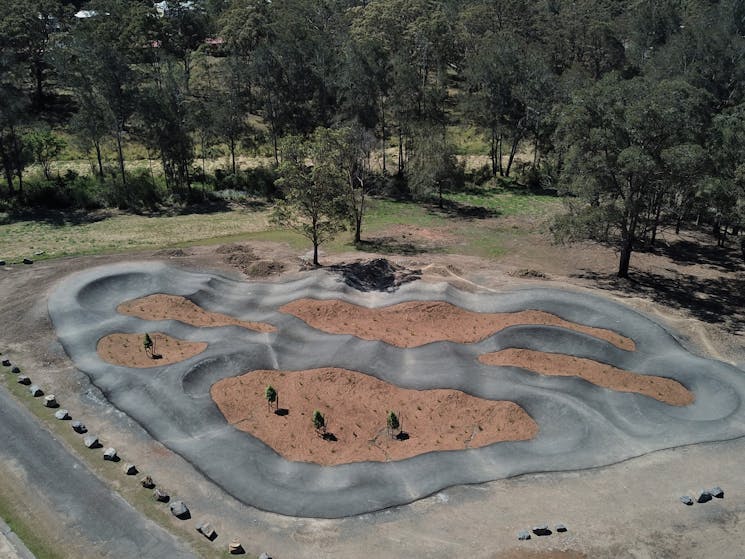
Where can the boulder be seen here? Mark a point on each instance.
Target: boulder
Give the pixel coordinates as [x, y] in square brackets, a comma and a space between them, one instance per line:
[686, 500]
[28, 261]
[160, 495]
[15, 370]
[206, 529]
[91, 441]
[62, 415]
[130, 469]
[717, 492]
[2, 262]
[147, 482]
[50, 401]
[542, 530]
[265, 555]
[6, 362]
[561, 528]
[79, 427]
[704, 497]
[179, 510]
[35, 390]
[110, 454]
[23, 379]
[524, 535]
[235, 547]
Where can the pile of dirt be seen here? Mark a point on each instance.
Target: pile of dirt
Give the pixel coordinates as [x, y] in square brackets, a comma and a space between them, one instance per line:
[375, 275]
[173, 253]
[245, 259]
[356, 407]
[529, 273]
[421, 322]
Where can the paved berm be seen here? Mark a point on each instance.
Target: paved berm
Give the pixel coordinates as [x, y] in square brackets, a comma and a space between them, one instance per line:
[629, 509]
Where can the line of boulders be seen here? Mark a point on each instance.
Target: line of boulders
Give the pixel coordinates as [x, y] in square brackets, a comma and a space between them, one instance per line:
[704, 496]
[540, 530]
[177, 507]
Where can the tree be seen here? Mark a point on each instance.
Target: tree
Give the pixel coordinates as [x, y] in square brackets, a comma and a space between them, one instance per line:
[319, 421]
[45, 146]
[313, 203]
[433, 167]
[613, 137]
[271, 396]
[148, 345]
[392, 422]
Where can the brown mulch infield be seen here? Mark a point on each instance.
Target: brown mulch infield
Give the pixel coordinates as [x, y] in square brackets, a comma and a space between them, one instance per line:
[356, 406]
[663, 389]
[128, 350]
[174, 307]
[421, 322]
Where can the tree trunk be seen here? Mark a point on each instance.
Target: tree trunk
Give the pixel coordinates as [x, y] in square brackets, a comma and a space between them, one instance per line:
[400, 151]
[120, 155]
[97, 145]
[231, 145]
[358, 229]
[499, 155]
[382, 128]
[493, 151]
[513, 152]
[315, 254]
[627, 247]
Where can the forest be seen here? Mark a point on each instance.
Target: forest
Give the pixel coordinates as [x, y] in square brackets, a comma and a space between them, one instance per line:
[632, 110]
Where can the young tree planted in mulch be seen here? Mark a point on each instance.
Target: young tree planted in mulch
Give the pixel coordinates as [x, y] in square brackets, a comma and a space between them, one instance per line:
[147, 343]
[319, 422]
[393, 423]
[271, 396]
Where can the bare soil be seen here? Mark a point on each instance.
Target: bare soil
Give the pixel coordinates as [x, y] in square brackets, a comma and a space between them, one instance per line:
[355, 407]
[417, 323]
[128, 350]
[663, 389]
[173, 307]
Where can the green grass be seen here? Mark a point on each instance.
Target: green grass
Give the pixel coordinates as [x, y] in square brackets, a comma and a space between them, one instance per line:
[126, 486]
[24, 528]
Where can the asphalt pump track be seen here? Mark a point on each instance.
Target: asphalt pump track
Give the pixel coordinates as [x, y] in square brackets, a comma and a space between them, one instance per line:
[580, 425]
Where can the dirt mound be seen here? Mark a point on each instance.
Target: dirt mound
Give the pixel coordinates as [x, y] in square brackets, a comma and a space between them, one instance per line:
[247, 261]
[375, 275]
[529, 273]
[173, 253]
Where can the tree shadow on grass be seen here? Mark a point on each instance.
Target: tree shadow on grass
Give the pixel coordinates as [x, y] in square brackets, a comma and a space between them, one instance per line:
[689, 252]
[392, 245]
[453, 209]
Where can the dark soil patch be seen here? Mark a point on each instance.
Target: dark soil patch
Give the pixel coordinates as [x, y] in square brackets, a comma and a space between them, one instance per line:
[375, 275]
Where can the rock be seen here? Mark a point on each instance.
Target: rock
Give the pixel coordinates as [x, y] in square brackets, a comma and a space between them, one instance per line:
[35, 391]
[179, 510]
[524, 535]
[62, 414]
[6, 362]
[717, 492]
[206, 529]
[147, 482]
[235, 547]
[705, 497]
[130, 469]
[160, 495]
[561, 528]
[38, 253]
[110, 454]
[50, 401]
[79, 427]
[2, 262]
[541, 530]
[23, 379]
[686, 500]
[265, 555]
[15, 370]
[90, 441]
[28, 261]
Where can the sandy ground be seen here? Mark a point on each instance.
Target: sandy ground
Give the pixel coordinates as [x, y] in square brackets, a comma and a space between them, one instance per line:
[173, 307]
[417, 323]
[128, 350]
[626, 511]
[663, 389]
[355, 407]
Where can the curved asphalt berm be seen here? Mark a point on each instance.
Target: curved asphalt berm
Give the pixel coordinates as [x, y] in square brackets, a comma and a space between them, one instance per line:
[75, 495]
[581, 425]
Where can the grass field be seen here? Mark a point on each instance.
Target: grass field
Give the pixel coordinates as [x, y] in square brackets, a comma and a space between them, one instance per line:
[104, 232]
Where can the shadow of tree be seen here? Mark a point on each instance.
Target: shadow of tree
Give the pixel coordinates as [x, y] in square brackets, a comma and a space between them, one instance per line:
[718, 301]
[451, 208]
[392, 245]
